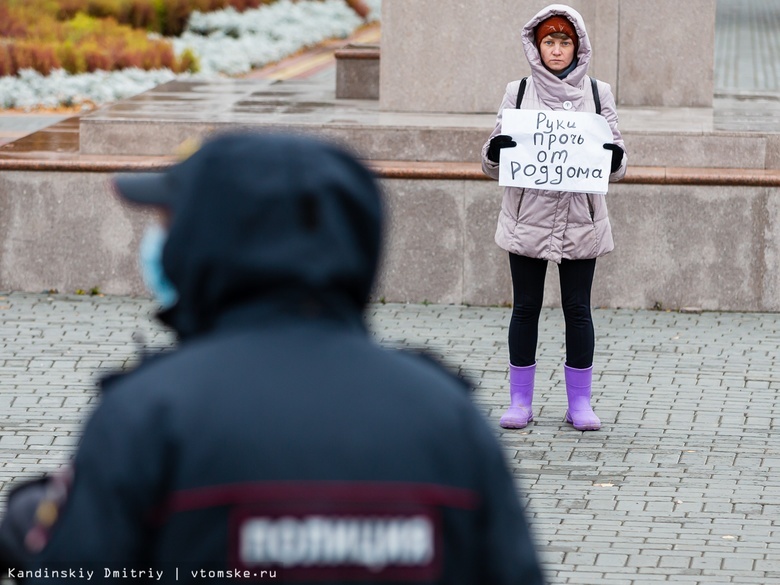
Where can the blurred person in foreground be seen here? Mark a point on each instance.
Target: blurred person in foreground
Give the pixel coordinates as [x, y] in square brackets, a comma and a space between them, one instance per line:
[278, 440]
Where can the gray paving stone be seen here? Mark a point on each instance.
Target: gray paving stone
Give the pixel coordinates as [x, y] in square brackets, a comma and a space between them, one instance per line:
[681, 484]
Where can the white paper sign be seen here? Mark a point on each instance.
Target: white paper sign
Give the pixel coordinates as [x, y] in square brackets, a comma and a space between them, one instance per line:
[556, 151]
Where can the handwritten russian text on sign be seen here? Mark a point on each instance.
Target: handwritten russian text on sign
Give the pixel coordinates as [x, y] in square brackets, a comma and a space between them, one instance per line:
[556, 151]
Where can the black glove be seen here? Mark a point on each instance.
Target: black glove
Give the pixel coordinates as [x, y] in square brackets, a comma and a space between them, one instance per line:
[617, 155]
[496, 144]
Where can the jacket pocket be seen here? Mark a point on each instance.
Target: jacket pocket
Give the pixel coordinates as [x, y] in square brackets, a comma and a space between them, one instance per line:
[519, 205]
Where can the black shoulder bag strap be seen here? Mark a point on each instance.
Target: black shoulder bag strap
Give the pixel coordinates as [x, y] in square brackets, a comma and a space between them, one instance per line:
[520, 92]
[593, 85]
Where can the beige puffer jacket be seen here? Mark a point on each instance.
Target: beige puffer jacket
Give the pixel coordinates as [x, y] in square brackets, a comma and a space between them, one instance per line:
[555, 225]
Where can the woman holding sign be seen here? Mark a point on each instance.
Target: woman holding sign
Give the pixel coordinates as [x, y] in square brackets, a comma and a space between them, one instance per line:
[540, 225]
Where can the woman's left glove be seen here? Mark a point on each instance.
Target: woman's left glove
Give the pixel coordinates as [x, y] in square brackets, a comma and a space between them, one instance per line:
[617, 155]
[496, 144]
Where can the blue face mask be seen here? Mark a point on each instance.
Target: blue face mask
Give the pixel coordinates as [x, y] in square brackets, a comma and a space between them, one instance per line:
[150, 256]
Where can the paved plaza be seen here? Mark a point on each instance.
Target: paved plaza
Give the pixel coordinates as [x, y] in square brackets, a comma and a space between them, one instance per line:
[681, 485]
[747, 36]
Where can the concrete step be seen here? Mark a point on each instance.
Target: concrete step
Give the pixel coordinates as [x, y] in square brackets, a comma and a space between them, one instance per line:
[56, 148]
[735, 134]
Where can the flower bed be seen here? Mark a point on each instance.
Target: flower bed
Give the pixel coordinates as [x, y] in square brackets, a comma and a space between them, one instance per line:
[233, 43]
[91, 35]
[223, 42]
[165, 17]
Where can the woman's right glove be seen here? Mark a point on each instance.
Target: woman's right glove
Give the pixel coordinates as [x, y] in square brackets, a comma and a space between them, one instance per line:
[496, 144]
[617, 155]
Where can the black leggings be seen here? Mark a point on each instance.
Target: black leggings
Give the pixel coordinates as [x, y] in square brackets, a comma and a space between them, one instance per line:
[528, 285]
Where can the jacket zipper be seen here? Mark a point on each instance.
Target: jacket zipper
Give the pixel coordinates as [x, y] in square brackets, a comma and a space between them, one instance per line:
[590, 208]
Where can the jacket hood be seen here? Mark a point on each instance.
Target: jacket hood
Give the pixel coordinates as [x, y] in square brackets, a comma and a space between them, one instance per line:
[553, 91]
[288, 220]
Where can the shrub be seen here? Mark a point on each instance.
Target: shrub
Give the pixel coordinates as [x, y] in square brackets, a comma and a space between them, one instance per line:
[189, 62]
[95, 57]
[173, 16]
[6, 62]
[141, 14]
[85, 43]
[72, 60]
[20, 56]
[242, 5]
[67, 9]
[166, 17]
[105, 9]
[11, 24]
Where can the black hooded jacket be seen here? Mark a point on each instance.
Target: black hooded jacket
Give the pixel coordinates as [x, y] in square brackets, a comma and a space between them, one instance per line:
[277, 441]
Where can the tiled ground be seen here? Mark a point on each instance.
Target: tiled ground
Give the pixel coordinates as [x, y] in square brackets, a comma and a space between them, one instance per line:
[682, 484]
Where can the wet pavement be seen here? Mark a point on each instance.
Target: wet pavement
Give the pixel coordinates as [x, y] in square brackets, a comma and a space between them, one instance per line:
[14, 125]
[747, 40]
[681, 485]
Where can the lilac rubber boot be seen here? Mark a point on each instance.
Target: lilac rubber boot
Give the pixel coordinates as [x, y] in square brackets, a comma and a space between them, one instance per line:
[521, 394]
[580, 413]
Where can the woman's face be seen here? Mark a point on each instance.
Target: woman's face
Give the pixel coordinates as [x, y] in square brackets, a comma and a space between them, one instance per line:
[557, 52]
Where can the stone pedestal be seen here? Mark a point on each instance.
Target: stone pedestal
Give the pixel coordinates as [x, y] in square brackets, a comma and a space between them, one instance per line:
[442, 56]
[667, 53]
[357, 72]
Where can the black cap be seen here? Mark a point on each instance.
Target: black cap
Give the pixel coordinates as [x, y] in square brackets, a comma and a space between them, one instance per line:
[146, 189]
[159, 189]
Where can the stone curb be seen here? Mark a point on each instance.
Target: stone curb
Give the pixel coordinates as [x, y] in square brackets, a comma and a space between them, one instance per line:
[422, 170]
